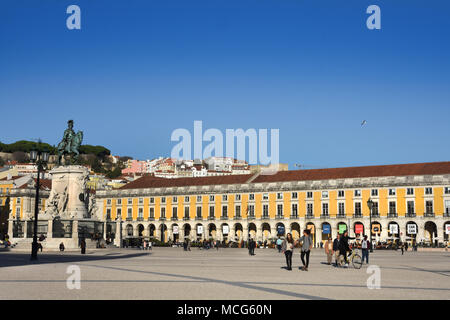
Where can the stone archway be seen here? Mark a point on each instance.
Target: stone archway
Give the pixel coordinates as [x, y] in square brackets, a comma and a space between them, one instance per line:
[447, 231]
[129, 230]
[176, 232]
[238, 231]
[358, 229]
[265, 227]
[186, 231]
[212, 231]
[140, 230]
[430, 232]
[295, 230]
[312, 228]
[342, 227]
[326, 231]
[151, 230]
[280, 229]
[252, 230]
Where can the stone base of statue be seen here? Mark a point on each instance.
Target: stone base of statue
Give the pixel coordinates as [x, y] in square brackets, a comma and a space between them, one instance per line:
[70, 210]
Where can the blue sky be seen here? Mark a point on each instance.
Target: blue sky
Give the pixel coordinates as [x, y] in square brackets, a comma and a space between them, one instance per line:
[137, 70]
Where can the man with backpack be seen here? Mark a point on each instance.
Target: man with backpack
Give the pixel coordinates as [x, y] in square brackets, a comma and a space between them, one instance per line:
[365, 247]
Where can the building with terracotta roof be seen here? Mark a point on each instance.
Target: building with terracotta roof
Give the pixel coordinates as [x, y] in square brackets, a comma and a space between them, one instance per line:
[410, 202]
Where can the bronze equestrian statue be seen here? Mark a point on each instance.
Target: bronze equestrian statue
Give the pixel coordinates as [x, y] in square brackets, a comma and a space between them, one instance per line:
[70, 143]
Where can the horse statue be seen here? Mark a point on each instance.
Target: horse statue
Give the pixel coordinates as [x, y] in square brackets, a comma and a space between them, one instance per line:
[70, 144]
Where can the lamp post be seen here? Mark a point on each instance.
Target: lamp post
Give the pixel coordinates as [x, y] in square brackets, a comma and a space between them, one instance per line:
[40, 158]
[370, 205]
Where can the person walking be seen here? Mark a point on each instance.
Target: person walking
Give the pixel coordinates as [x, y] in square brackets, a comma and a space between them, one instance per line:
[406, 246]
[402, 246]
[365, 246]
[288, 247]
[61, 246]
[329, 250]
[336, 249]
[279, 243]
[306, 245]
[83, 246]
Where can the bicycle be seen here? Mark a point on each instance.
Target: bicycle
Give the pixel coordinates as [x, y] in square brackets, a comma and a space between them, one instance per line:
[354, 258]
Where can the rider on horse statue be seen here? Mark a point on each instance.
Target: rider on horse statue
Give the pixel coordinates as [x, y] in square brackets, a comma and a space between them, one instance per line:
[70, 143]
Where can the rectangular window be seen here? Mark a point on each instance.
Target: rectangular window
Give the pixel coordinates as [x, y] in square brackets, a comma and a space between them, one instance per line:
[374, 192]
[130, 201]
[429, 206]
[309, 209]
[251, 196]
[358, 208]
[375, 208]
[17, 212]
[325, 209]
[186, 212]
[163, 199]
[18, 200]
[279, 196]
[410, 191]
[130, 212]
[294, 195]
[199, 198]
[410, 206]
[152, 200]
[294, 210]
[175, 212]
[341, 193]
[140, 213]
[357, 193]
[309, 194]
[447, 206]
[428, 190]
[392, 192]
[238, 197]
[325, 194]
[186, 199]
[341, 208]
[265, 196]
[238, 211]
[447, 190]
[174, 199]
[224, 197]
[251, 210]
[141, 200]
[199, 212]
[280, 210]
[108, 201]
[119, 212]
[224, 211]
[211, 198]
[265, 210]
[119, 201]
[392, 207]
[152, 213]
[211, 211]
[163, 212]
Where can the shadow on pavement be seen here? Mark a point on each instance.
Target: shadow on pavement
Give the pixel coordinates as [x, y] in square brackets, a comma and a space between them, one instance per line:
[23, 259]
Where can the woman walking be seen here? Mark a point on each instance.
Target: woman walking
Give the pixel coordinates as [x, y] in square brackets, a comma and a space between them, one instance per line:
[329, 250]
[288, 247]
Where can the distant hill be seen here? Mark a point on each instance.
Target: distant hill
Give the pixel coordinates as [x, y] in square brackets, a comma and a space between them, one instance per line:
[26, 146]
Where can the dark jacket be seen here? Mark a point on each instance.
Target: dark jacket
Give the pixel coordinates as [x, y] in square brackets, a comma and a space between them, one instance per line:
[336, 244]
[343, 244]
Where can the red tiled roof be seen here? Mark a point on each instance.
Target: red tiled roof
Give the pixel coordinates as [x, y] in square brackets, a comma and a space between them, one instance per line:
[12, 178]
[150, 181]
[358, 172]
[45, 184]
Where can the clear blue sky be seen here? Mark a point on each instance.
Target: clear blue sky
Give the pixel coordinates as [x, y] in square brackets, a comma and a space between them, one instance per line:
[137, 70]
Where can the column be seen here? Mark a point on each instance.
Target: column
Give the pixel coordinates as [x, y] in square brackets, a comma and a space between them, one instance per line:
[75, 230]
[50, 229]
[10, 228]
[118, 236]
[25, 227]
[104, 230]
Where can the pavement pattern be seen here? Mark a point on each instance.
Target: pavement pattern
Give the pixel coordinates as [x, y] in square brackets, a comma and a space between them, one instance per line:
[171, 273]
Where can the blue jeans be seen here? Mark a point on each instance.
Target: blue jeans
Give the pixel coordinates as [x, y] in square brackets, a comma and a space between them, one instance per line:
[365, 253]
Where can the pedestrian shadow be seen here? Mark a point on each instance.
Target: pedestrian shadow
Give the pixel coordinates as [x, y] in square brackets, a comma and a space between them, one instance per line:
[23, 259]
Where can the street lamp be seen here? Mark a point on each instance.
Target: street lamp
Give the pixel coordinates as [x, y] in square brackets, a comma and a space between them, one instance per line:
[40, 158]
[370, 205]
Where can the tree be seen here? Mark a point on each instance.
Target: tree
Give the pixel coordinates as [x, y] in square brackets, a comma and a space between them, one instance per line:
[2, 162]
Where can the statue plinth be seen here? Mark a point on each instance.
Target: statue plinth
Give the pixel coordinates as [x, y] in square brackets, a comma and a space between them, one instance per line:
[69, 194]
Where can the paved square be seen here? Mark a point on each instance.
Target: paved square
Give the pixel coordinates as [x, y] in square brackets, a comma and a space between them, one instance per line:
[171, 273]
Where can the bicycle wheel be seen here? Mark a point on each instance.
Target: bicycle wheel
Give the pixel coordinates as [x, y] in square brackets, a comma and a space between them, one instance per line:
[357, 261]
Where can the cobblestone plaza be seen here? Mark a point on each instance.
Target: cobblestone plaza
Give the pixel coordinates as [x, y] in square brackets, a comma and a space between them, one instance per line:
[171, 273]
